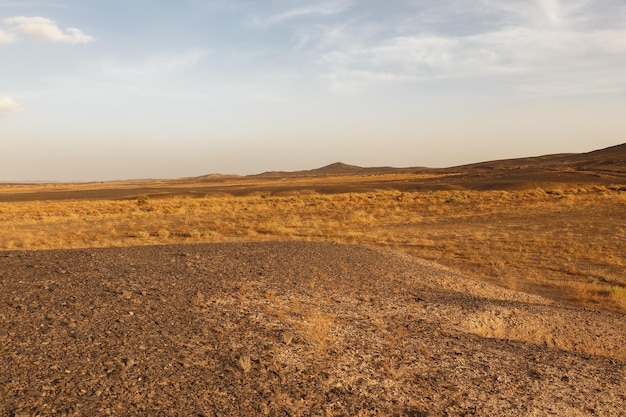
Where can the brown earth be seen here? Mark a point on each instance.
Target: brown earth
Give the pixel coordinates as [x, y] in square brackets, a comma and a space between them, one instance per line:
[600, 167]
[291, 329]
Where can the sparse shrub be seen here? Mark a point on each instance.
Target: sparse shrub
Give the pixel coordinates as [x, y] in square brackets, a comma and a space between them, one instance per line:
[537, 192]
[191, 233]
[558, 193]
[245, 363]
[505, 196]
[316, 329]
[287, 338]
[617, 187]
[141, 234]
[394, 372]
[212, 234]
[455, 200]
[483, 235]
[618, 295]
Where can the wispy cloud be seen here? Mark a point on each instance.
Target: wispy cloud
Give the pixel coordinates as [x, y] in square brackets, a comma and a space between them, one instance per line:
[326, 8]
[508, 50]
[8, 105]
[545, 41]
[43, 29]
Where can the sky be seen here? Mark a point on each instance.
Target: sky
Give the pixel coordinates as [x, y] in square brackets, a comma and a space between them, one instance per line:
[126, 89]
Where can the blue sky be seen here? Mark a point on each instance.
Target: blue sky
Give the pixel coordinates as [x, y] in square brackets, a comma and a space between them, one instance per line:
[93, 90]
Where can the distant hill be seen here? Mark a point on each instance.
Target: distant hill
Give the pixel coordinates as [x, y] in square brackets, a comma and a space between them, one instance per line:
[618, 151]
[600, 167]
[339, 169]
[606, 166]
[612, 159]
[608, 159]
[215, 177]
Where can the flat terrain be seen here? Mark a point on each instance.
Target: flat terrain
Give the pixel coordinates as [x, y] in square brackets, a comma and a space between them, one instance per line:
[496, 288]
[601, 168]
[291, 329]
[552, 225]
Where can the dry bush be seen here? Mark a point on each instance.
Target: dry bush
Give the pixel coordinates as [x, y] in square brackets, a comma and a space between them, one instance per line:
[315, 329]
[245, 363]
[571, 249]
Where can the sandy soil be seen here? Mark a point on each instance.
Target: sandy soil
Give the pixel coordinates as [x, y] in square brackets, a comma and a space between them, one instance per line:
[291, 329]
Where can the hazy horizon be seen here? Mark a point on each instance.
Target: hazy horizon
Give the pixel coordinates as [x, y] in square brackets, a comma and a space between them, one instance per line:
[43, 181]
[93, 91]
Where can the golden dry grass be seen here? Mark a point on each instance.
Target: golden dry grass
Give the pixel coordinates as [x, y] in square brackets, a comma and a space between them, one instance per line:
[568, 244]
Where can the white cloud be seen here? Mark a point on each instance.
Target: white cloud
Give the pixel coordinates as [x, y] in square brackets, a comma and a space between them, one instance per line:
[579, 14]
[43, 29]
[8, 105]
[530, 44]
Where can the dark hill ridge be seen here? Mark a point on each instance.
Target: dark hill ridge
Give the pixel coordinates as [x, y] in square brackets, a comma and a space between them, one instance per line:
[337, 169]
[600, 167]
[607, 159]
[604, 166]
[612, 151]
[612, 159]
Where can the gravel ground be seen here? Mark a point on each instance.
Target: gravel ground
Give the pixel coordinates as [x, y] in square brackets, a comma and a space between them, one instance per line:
[291, 329]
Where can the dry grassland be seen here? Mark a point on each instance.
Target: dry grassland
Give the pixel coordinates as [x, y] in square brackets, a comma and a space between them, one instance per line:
[568, 244]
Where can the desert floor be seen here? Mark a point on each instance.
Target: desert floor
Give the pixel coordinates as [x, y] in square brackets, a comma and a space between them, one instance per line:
[291, 329]
[493, 289]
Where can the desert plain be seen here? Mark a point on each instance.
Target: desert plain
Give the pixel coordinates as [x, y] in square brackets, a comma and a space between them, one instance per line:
[497, 288]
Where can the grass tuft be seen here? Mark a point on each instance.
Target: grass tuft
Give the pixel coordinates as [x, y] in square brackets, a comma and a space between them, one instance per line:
[572, 251]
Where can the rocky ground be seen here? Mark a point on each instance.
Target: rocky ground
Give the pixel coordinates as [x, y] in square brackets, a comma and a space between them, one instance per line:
[291, 329]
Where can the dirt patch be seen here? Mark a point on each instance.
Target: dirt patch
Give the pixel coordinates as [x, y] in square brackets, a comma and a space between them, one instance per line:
[290, 329]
